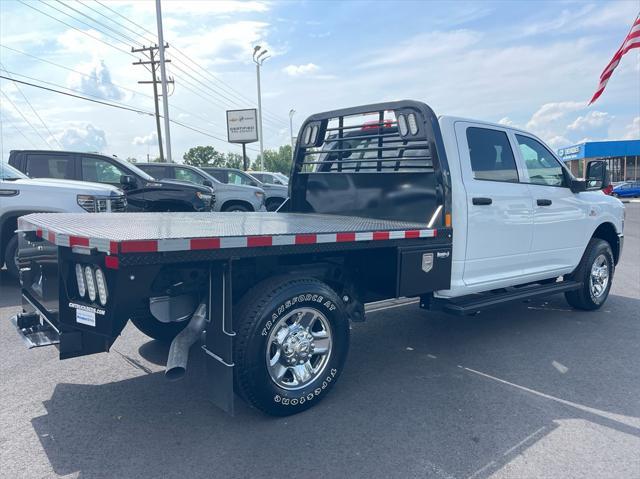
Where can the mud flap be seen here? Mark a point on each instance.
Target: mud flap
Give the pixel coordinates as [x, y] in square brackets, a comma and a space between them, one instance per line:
[218, 344]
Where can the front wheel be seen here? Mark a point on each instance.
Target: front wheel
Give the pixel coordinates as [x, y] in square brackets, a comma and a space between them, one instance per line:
[595, 271]
[291, 344]
[11, 256]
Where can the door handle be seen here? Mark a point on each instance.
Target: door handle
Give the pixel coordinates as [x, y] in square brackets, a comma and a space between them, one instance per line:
[481, 201]
[544, 202]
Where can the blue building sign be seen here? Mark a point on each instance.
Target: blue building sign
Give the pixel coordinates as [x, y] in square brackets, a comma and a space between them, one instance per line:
[600, 149]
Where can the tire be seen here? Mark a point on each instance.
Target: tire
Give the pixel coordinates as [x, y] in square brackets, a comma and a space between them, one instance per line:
[595, 271]
[267, 331]
[236, 208]
[274, 204]
[11, 257]
[155, 329]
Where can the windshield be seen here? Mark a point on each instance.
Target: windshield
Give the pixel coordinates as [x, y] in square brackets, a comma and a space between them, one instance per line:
[8, 172]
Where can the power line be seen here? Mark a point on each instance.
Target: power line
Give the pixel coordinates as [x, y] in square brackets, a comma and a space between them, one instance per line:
[24, 117]
[118, 23]
[179, 51]
[28, 140]
[113, 105]
[75, 28]
[32, 108]
[129, 39]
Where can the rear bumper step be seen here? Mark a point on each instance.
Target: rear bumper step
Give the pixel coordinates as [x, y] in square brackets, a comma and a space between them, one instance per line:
[474, 303]
[34, 331]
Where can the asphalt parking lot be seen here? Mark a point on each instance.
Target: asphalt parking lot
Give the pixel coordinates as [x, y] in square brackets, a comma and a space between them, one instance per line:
[529, 390]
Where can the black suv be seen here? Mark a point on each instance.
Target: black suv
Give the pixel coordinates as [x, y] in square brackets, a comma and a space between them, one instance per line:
[144, 193]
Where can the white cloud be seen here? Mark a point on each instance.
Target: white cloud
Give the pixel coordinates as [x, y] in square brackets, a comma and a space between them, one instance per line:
[150, 139]
[200, 7]
[549, 113]
[300, 70]
[96, 81]
[592, 120]
[82, 138]
[507, 121]
[633, 129]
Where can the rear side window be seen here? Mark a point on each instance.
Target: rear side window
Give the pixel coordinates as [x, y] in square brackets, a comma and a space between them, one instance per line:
[491, 155]
[43, 166]
[156, 171]
[101, 171]
[542, 167]
[219, 175]
[185, 174]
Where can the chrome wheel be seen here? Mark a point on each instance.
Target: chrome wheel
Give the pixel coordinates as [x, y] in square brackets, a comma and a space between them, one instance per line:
[299, 348]
[599, 278]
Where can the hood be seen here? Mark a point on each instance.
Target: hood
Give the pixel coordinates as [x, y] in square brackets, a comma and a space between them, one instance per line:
[271, 188]
[241, 188]
[185, 185]
[79, 187]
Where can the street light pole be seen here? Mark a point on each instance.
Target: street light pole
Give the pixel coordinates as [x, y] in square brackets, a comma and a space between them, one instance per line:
[259, 58]
[291, 113]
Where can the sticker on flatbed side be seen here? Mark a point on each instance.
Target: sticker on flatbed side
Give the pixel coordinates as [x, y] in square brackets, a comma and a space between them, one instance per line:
[89, 309]
[86, 317]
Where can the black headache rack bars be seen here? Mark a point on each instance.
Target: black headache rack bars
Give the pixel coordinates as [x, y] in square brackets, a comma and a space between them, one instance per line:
[379, 148]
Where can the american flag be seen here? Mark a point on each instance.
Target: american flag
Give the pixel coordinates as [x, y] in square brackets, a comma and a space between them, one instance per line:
[632, 40]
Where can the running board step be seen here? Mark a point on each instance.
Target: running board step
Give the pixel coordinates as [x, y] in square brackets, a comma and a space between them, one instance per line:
[33, 332]
[475, 303]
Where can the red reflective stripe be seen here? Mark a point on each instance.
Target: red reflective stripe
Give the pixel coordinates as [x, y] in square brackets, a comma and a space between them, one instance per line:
[139, 246]
[380, 235]
[435, 233]
[112, 262]
[51, 237]
[345, 237]
[259, 241]
[412, 234]
[113, 247]
[306, 239]
[39, 233]
[205, 243]
[78, 241]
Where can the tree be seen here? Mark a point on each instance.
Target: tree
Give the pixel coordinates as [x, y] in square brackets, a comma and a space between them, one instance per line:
[278, 160]
[204, 156]
[233, 160]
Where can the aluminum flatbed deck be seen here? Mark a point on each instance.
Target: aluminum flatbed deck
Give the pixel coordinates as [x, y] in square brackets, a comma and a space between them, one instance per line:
[127, 233]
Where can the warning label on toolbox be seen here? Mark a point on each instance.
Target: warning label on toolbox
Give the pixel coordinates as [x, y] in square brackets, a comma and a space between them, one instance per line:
[86, 317]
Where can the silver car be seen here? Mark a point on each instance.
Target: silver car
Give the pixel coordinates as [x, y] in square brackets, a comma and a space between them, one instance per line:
[227, 197]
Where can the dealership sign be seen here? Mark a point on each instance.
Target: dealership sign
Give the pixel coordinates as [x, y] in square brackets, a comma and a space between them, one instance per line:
[570, 153]
[242, 126]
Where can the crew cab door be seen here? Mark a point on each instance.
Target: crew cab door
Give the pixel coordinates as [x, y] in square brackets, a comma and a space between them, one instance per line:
[559, 216]
[103, 170]
[499, 207]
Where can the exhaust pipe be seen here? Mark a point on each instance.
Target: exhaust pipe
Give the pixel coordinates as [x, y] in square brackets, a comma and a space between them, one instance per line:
[179, 350]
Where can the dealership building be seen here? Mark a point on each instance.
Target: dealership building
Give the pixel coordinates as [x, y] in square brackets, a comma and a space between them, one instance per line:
[622, 157]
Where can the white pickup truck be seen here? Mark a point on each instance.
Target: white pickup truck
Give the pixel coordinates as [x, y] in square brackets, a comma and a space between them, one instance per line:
[385, 201]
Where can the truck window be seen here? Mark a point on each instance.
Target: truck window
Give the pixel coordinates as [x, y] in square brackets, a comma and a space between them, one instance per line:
[542, 166]
[238, 179]
[101, 171]
[491, 155]
[185, 174]
[156, 171]
[43, 166]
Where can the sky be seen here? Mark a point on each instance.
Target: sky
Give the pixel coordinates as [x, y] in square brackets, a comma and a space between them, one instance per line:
[526, 63]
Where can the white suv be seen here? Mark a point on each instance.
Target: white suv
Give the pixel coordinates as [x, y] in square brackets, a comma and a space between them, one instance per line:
[21, 195]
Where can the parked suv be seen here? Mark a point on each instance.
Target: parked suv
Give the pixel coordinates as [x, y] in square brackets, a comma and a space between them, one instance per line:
[143, 192]
[228, 197]
[275, 193]
[20, 195]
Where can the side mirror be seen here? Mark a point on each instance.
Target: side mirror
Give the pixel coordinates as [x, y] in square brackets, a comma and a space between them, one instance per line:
[127, 181]
[597, 176]
[576, 186]
[208, 183]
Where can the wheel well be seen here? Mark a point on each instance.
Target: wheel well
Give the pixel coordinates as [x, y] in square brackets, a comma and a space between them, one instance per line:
[607, 232]
[7, 228]
[230, 203]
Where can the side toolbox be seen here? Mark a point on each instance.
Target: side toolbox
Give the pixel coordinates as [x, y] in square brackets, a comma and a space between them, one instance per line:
[422, 269]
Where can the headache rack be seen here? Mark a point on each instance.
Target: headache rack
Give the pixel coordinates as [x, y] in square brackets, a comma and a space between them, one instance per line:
[384, 161]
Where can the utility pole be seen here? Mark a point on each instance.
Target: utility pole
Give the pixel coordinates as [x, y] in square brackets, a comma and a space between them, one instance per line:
[291, 113]
[150, 53]
[259, 58]
[163, 79]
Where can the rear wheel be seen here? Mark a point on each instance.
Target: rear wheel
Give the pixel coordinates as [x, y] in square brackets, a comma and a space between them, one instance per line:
[291, 344]
[236, 208]
[11, 256]
[595, 271]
